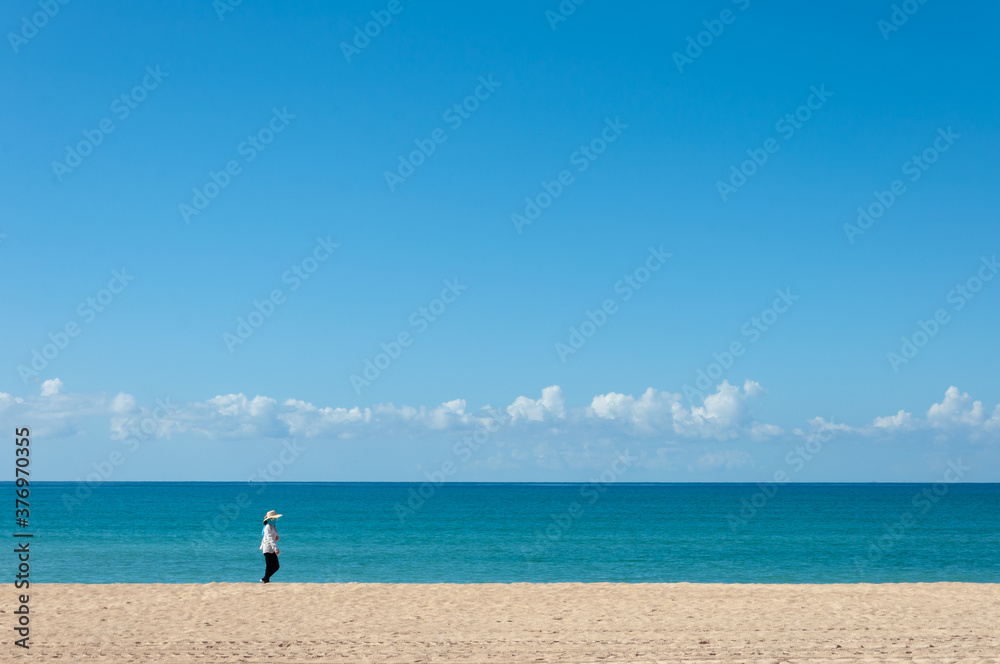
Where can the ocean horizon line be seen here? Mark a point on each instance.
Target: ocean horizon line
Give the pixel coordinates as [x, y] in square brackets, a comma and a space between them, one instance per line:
[513, 483]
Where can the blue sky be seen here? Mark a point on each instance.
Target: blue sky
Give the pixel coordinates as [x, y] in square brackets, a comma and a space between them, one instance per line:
[272, 82]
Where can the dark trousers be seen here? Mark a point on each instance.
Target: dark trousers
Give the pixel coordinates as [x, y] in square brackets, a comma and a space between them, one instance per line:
[272, 566]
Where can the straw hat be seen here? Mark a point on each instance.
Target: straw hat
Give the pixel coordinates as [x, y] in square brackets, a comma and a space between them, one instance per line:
[272, 515]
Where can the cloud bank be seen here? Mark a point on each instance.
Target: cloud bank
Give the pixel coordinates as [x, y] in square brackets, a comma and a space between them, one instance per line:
[728, 414]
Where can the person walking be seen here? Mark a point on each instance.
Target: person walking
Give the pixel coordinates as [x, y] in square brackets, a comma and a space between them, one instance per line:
[269, 546]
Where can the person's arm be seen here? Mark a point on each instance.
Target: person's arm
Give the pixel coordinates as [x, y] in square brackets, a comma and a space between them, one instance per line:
[274, 531]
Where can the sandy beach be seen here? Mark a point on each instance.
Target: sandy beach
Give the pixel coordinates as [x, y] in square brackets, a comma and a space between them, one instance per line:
[946, 622]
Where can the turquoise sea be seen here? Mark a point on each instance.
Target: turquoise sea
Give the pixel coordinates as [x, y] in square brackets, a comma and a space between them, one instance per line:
[470, 533]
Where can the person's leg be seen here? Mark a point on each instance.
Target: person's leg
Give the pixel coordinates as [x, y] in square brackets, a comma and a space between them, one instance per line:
[271, 562]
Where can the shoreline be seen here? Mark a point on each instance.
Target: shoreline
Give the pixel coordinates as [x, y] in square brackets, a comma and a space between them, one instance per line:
[559, 622]
[460, 584]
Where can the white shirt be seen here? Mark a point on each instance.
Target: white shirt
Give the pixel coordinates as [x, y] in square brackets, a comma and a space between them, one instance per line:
[270, 536]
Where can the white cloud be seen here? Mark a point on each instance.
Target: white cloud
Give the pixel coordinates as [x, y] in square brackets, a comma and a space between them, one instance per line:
[725, 415]
[956, 412]
[123, 403]
[753, 389]
[51, 387]
[650, 413]
[901, 421]
[760, 431]
[52, 413]
[237, 416]
[957, 415]
[8, 402]
[550, 406]
[993, 424]
[819, 428]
